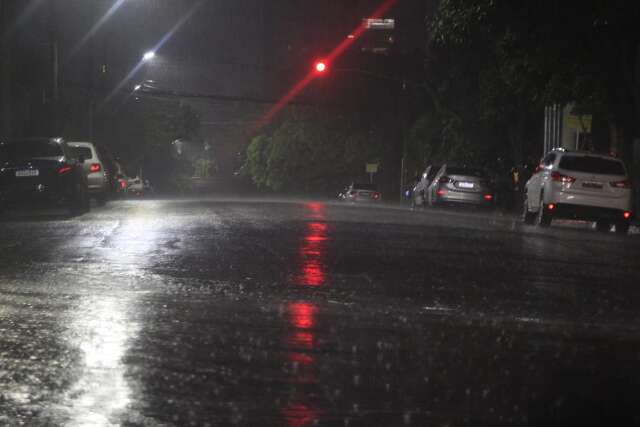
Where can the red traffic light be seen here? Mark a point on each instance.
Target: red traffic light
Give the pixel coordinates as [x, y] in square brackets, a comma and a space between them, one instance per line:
[320, 67]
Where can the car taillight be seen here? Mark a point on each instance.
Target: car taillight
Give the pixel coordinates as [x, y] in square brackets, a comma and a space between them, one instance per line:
[441, 192]
[621, 184]
[551, 206]
[626, 215]
[95, 167]
[444, 180]
[64, 169]
[376, 195]
[123, 184]
[488, 197]
[565, 179]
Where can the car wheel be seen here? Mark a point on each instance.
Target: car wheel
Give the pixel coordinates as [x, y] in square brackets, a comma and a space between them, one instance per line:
[622, 227]
[528, 217]
[603, 226]
[544, 217]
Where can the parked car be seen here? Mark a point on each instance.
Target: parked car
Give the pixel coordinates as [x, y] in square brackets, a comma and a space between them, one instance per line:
[460, 185]
[95, 169]
[135, 187]
[579, 185]
[419, 191]
[360, 192]
[42, 172]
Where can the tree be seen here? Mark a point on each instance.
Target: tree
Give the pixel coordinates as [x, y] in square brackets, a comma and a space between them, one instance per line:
[554, 52]
[141, 135]
[310, 151]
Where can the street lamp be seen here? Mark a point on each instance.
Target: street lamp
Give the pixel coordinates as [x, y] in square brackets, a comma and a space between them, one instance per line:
[148, 56]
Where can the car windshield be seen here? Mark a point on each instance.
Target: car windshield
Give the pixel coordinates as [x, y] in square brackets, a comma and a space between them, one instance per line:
[84, 152]
[592, 164]
[29, 149]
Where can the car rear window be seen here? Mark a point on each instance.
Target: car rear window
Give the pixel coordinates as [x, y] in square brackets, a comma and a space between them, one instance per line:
[27, 149]
[590, 164]
[85, 152]
[364, 187]
[466, 172]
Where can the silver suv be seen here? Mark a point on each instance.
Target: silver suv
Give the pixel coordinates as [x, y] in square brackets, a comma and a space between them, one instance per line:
[579, 185]
[94, 169]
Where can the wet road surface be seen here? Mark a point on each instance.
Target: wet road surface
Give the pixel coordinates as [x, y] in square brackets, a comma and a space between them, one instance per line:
[295, 313]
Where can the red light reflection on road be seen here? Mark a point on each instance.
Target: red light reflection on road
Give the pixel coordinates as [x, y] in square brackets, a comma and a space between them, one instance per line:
[313, 250]
[300, 344]
[301, 315]
[299, 415]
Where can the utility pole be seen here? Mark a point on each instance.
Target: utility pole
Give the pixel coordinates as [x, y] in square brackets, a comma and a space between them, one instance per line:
[55, 69]
[5, 71]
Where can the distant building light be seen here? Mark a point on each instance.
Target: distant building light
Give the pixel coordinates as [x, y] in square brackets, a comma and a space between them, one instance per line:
[379, 23]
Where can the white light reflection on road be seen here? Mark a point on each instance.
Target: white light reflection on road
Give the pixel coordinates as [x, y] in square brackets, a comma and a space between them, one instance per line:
[103, 327]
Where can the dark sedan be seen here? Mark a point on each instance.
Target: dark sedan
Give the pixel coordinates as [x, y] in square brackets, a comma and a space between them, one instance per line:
[42, 172]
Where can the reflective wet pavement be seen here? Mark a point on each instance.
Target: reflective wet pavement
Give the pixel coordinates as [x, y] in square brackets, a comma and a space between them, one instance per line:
[297, 313]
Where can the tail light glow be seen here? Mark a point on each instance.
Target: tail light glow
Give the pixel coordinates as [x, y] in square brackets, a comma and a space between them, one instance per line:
[123, 184]
[376, 195]
[488, 197]
[564, 179]
[621, 184]
[551, 206]
[95, 167]
[441, 192]
[64, 169]
[626, 215]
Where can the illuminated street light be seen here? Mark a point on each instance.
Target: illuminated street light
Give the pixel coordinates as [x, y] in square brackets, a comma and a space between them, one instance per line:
[148, 56]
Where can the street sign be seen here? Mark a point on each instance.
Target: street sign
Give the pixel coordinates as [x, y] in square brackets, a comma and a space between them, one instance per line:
[371, 168]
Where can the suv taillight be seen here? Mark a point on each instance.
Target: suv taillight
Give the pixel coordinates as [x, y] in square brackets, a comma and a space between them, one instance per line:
[621, 184]
[95, 167]
[64, 169]
[565, 179]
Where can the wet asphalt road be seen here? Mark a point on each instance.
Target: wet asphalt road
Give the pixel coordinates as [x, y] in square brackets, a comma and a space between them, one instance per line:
[292, 313]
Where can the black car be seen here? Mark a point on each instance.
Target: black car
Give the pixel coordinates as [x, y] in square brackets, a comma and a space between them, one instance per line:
[42, 172]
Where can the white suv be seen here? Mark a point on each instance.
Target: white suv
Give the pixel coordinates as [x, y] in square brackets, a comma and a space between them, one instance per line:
[94, 169]
[579, 185]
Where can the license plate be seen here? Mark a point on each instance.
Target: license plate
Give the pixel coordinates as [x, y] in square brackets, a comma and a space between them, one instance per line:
[27, 173]
[465, 184]
[597, 185]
